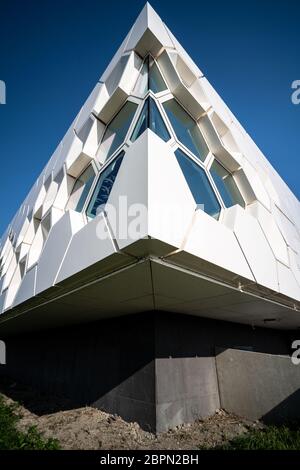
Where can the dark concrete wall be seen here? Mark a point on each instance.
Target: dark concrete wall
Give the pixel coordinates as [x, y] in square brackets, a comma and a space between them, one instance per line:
[156, 368]
[109, 364]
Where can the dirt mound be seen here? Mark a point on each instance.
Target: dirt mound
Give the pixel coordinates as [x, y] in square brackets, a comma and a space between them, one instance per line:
[90, 428]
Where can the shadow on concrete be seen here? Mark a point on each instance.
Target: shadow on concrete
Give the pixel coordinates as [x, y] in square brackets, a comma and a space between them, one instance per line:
[286, 412]
[32, 399]
[108, 364]
[113, 364]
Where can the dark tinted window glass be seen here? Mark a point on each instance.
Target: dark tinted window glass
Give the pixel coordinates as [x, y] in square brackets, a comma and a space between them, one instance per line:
[150, 78]
[81, 189]
[116, 131]
[199, 185]
[150, 117]
[186, 129]
[104, 186]
[226, 185]
[156, 82]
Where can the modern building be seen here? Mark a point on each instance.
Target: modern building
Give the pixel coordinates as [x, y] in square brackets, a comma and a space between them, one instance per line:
[154, 268]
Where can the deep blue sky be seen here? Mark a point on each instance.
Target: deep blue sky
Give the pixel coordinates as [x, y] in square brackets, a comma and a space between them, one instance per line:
[53, 52]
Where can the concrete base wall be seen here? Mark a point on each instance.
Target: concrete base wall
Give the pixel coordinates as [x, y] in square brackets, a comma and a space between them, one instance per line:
[156, 368]
[259, 386]
[108, 364]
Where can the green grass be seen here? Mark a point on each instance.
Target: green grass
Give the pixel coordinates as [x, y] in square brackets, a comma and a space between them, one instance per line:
[269, 438]
[11, 438]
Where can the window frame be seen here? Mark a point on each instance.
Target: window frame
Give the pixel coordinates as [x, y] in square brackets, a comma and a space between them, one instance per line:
[208, 176]
[185, 149]
[131, 99]
[148, 97]
[173, 142]
[210, 163]
[156, 95]
[93, 187]
[96, 168]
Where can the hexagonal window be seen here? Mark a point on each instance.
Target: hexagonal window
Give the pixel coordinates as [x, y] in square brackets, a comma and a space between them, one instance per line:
[116, 130]
[150, 78]
[226, 185]
[104, 186]
[199, 185]
[81, 189]
[186, 129]
[150, 117]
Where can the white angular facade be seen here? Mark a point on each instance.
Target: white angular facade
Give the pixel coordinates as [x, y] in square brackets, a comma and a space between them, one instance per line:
[219, 233]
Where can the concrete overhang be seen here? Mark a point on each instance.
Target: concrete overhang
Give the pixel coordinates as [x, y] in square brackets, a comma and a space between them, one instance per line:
[122, 285]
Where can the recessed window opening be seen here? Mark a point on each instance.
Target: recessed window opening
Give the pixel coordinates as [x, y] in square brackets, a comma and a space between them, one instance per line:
[186, 129]
[116, 130]
[150, 78]
[226, 185]
[151, 118]
[104, 186]
[199, 185]
[81, 189]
